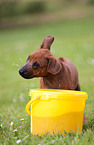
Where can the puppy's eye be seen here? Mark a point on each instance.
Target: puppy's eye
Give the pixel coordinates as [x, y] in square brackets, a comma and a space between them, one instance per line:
[28, 58]
[36, 65]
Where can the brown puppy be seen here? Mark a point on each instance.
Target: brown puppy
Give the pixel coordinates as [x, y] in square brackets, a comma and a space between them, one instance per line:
[55, 73]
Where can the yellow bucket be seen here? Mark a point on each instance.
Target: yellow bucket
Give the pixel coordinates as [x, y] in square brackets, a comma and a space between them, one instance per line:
[56, 110]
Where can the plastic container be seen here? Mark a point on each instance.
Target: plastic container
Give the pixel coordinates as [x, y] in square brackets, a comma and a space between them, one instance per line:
[56, 110]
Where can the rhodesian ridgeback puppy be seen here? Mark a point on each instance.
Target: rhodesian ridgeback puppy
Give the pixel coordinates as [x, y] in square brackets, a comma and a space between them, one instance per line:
[55, 73]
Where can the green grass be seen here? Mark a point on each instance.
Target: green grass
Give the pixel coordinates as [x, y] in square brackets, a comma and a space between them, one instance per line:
[74, 39]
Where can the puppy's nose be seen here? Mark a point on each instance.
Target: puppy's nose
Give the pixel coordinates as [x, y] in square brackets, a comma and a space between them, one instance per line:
[20, 71]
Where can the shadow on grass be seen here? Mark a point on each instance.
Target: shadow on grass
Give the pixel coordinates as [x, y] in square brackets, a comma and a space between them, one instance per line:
[89, 125]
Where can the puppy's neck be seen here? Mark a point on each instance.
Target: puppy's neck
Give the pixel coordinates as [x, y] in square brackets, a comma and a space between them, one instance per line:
[52, 81]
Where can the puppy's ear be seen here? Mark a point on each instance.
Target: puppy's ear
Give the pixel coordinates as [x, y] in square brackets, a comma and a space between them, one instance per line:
[47, 42]
[54, 66]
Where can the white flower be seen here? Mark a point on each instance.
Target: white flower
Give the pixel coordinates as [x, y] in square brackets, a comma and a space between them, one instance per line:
[22, 119]
[1, 125]
[18, 141]
[14, 130]
[15, 137]
[11, 123]
[53, 141]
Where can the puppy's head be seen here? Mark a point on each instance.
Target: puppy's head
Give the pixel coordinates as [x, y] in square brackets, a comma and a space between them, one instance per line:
[41, 62]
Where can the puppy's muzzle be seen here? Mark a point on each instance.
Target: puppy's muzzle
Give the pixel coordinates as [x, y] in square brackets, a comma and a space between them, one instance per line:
[25, 73]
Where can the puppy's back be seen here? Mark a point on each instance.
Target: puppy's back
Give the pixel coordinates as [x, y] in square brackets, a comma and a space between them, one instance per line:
[70, 71]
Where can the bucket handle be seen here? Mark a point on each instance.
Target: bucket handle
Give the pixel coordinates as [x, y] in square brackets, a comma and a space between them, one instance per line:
[29, 103]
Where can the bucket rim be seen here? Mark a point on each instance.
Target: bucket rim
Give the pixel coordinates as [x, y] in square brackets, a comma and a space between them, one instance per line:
[58, 94]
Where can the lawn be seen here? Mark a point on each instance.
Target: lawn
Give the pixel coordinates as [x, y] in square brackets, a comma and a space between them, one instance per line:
[74, 39]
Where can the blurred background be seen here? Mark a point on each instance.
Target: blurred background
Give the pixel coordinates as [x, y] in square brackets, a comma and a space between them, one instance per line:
[15, 13]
